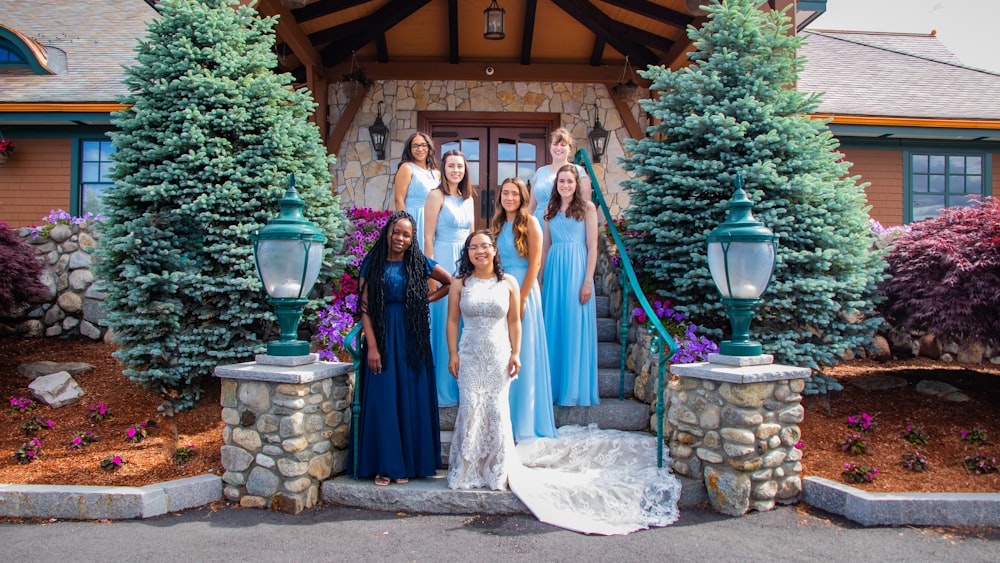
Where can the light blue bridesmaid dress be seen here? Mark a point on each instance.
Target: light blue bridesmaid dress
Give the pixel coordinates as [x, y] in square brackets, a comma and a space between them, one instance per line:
[541, 186]
[531, 392]
[571, 328]
[421, 183]
[454, 224]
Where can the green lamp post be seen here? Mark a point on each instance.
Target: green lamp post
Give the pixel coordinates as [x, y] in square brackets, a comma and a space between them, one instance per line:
[288, 252]
[741, 259]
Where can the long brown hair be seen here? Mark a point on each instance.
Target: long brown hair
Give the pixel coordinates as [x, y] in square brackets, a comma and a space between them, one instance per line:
[577, 208]
[464, 185]
[519, 226]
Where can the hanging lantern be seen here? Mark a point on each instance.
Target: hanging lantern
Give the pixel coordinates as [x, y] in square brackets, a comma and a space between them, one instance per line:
[598, 138]
[494, 16]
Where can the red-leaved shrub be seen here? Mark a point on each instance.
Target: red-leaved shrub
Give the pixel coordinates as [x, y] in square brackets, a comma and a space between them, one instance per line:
[20, 273]
[945, 275]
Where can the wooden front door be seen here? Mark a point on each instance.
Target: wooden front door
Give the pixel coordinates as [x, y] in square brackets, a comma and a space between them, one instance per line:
[499, 146]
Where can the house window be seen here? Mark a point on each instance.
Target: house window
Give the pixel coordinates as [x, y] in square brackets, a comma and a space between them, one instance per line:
[95, 174]
[938, 180]
[9, 57]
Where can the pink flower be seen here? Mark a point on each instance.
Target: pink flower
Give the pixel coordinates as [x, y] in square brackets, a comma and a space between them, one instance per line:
[131, 432]
[117, 460]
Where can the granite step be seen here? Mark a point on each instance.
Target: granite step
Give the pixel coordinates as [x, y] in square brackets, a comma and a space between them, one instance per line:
[609, 354]
[607, 330]
[432, 496]
[603, 303]
[629, 415]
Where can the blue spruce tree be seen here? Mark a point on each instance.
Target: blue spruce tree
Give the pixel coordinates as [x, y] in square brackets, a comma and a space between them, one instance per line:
[204, 153]
[734, 110]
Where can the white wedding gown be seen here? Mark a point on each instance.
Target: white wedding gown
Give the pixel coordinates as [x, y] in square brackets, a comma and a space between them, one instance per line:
[587, 480]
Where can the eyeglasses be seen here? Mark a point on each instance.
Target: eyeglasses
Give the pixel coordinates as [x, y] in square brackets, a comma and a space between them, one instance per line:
[478, 247]
[419, 146]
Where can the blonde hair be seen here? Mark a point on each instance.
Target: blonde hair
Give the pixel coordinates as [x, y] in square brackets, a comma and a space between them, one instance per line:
[519, 226]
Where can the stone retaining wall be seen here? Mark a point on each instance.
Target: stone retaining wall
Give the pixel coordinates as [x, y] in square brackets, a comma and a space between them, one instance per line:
[75, 307]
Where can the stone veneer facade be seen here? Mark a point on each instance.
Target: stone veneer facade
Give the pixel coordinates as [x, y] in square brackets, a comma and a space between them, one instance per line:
[367, 182]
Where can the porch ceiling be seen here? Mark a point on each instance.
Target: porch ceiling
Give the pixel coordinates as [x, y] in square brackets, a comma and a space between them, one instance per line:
[567, 40]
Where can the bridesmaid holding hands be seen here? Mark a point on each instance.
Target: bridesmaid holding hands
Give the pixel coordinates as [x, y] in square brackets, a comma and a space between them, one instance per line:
[416, 177]
[569, 259]
[519, 243]
[448, 220]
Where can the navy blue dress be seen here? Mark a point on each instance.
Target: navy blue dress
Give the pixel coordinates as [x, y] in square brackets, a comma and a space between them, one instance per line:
[400, 433]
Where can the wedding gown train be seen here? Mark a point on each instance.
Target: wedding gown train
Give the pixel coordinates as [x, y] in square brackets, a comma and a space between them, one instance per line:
[595, 481]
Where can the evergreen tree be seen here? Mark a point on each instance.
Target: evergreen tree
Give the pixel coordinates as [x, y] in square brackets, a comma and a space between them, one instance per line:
[204, 154]
[734, 110]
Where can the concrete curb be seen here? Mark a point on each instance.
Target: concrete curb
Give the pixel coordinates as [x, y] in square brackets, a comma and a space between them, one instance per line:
[77, 502]
[902, 509]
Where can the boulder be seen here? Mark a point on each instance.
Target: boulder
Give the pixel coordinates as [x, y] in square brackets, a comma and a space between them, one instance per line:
[929, 347]
[57, 389]
[34, 370]
[880, 349]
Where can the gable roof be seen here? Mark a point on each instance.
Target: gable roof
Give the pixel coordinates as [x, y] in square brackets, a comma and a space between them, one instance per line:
[896, 75]
[97, 37]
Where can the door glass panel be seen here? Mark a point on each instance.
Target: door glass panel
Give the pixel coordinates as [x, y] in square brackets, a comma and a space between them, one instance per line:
[937, 164]
[505, 170]
[506, 150]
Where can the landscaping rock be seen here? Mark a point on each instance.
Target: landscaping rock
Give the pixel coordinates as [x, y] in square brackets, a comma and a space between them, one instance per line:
[878, 382]
[929, 347]
[34, 370]
[56, 389]
[942, 390]
[880, 349]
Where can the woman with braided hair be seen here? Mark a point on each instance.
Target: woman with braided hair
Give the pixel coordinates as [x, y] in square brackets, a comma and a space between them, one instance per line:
[399, 433]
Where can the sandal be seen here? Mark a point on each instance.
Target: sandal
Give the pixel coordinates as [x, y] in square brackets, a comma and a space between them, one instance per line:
[381, 481]
[402, 481]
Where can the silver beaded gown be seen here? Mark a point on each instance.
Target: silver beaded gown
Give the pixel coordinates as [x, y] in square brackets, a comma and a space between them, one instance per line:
[482, 447]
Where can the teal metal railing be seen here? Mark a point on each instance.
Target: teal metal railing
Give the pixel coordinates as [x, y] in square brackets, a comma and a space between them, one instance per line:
[661, 345]
[355, 351]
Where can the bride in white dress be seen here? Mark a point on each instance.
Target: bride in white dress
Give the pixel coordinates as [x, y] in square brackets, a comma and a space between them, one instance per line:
[587, 480]
[482, 447]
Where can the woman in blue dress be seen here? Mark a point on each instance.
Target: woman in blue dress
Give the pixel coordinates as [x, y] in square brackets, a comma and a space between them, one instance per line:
[561, 150]
[399, 433]
[448, 219]
[569, 258]
[416, 177]
[519, 243]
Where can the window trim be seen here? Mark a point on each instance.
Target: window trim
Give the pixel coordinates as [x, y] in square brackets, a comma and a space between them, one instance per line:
[908, 153]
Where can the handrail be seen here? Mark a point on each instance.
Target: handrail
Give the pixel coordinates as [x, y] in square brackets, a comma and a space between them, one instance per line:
[356, 402]
[630, 282]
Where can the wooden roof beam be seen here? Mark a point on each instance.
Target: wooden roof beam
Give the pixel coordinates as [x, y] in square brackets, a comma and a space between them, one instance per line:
[453, 32]
[656, 12]
[291, 33]
[320, 9]
[603, 27]
[529, 30]
[371, 27]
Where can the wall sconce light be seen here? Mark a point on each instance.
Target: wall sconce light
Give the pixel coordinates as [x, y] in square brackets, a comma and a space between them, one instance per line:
[494, 21]
[379, 133]
[598, 137]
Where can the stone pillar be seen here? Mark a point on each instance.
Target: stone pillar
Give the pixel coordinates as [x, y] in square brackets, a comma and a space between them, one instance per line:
[732, 423]
[287, 423]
